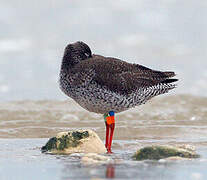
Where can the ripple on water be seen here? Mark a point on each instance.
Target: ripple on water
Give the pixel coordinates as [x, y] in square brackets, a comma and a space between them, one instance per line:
[162, 117]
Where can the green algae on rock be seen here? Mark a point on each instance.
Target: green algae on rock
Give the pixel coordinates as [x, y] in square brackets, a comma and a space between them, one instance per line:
[86, 141]
[162, 152]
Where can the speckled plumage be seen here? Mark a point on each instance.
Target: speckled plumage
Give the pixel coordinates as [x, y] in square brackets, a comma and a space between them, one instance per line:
[102, 84]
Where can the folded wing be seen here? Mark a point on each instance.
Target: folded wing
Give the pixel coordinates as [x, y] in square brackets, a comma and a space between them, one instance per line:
[120, 76]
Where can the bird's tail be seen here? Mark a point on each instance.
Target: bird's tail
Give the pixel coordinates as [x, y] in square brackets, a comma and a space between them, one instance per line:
[167, 81]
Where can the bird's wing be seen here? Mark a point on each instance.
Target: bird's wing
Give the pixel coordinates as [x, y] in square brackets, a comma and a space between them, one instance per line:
[153, 74]
[117, 75]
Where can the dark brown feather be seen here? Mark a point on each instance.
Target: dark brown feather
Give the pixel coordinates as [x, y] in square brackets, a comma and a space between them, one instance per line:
[117, 75]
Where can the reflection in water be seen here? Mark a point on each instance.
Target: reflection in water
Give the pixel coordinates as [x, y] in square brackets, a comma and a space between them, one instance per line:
[110, 171]
[72, 167]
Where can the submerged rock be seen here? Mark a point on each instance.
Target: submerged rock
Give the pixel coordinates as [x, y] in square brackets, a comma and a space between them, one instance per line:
[80, 141]
[164, 152]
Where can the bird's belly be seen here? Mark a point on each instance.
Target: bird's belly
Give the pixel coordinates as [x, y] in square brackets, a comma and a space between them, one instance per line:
[101, 100]
[99, 105]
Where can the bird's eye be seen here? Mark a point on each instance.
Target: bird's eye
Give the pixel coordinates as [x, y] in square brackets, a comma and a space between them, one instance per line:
[87, 55]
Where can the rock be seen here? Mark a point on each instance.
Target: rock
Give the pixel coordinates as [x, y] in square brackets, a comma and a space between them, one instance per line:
[80, 141]
[93, 158]
[176, 158]
[162, 152]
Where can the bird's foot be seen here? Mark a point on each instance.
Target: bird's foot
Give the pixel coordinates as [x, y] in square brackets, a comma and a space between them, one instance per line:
[109, 151]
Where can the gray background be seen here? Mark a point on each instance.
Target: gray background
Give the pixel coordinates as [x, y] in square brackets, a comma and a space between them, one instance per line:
[163, 35]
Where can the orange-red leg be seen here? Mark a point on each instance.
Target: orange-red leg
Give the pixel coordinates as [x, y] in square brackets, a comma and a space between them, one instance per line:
[110, 125]
[107, 135]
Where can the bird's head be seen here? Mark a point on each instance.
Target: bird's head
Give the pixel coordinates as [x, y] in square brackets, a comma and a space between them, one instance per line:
[76, 52]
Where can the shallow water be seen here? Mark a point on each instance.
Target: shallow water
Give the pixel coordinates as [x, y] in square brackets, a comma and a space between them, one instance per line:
[23, 158]
[26, 125]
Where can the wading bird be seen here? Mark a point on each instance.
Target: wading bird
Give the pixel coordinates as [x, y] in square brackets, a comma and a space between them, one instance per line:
[108, 85]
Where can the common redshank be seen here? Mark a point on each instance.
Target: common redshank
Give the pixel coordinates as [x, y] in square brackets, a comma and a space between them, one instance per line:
[109, 85]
